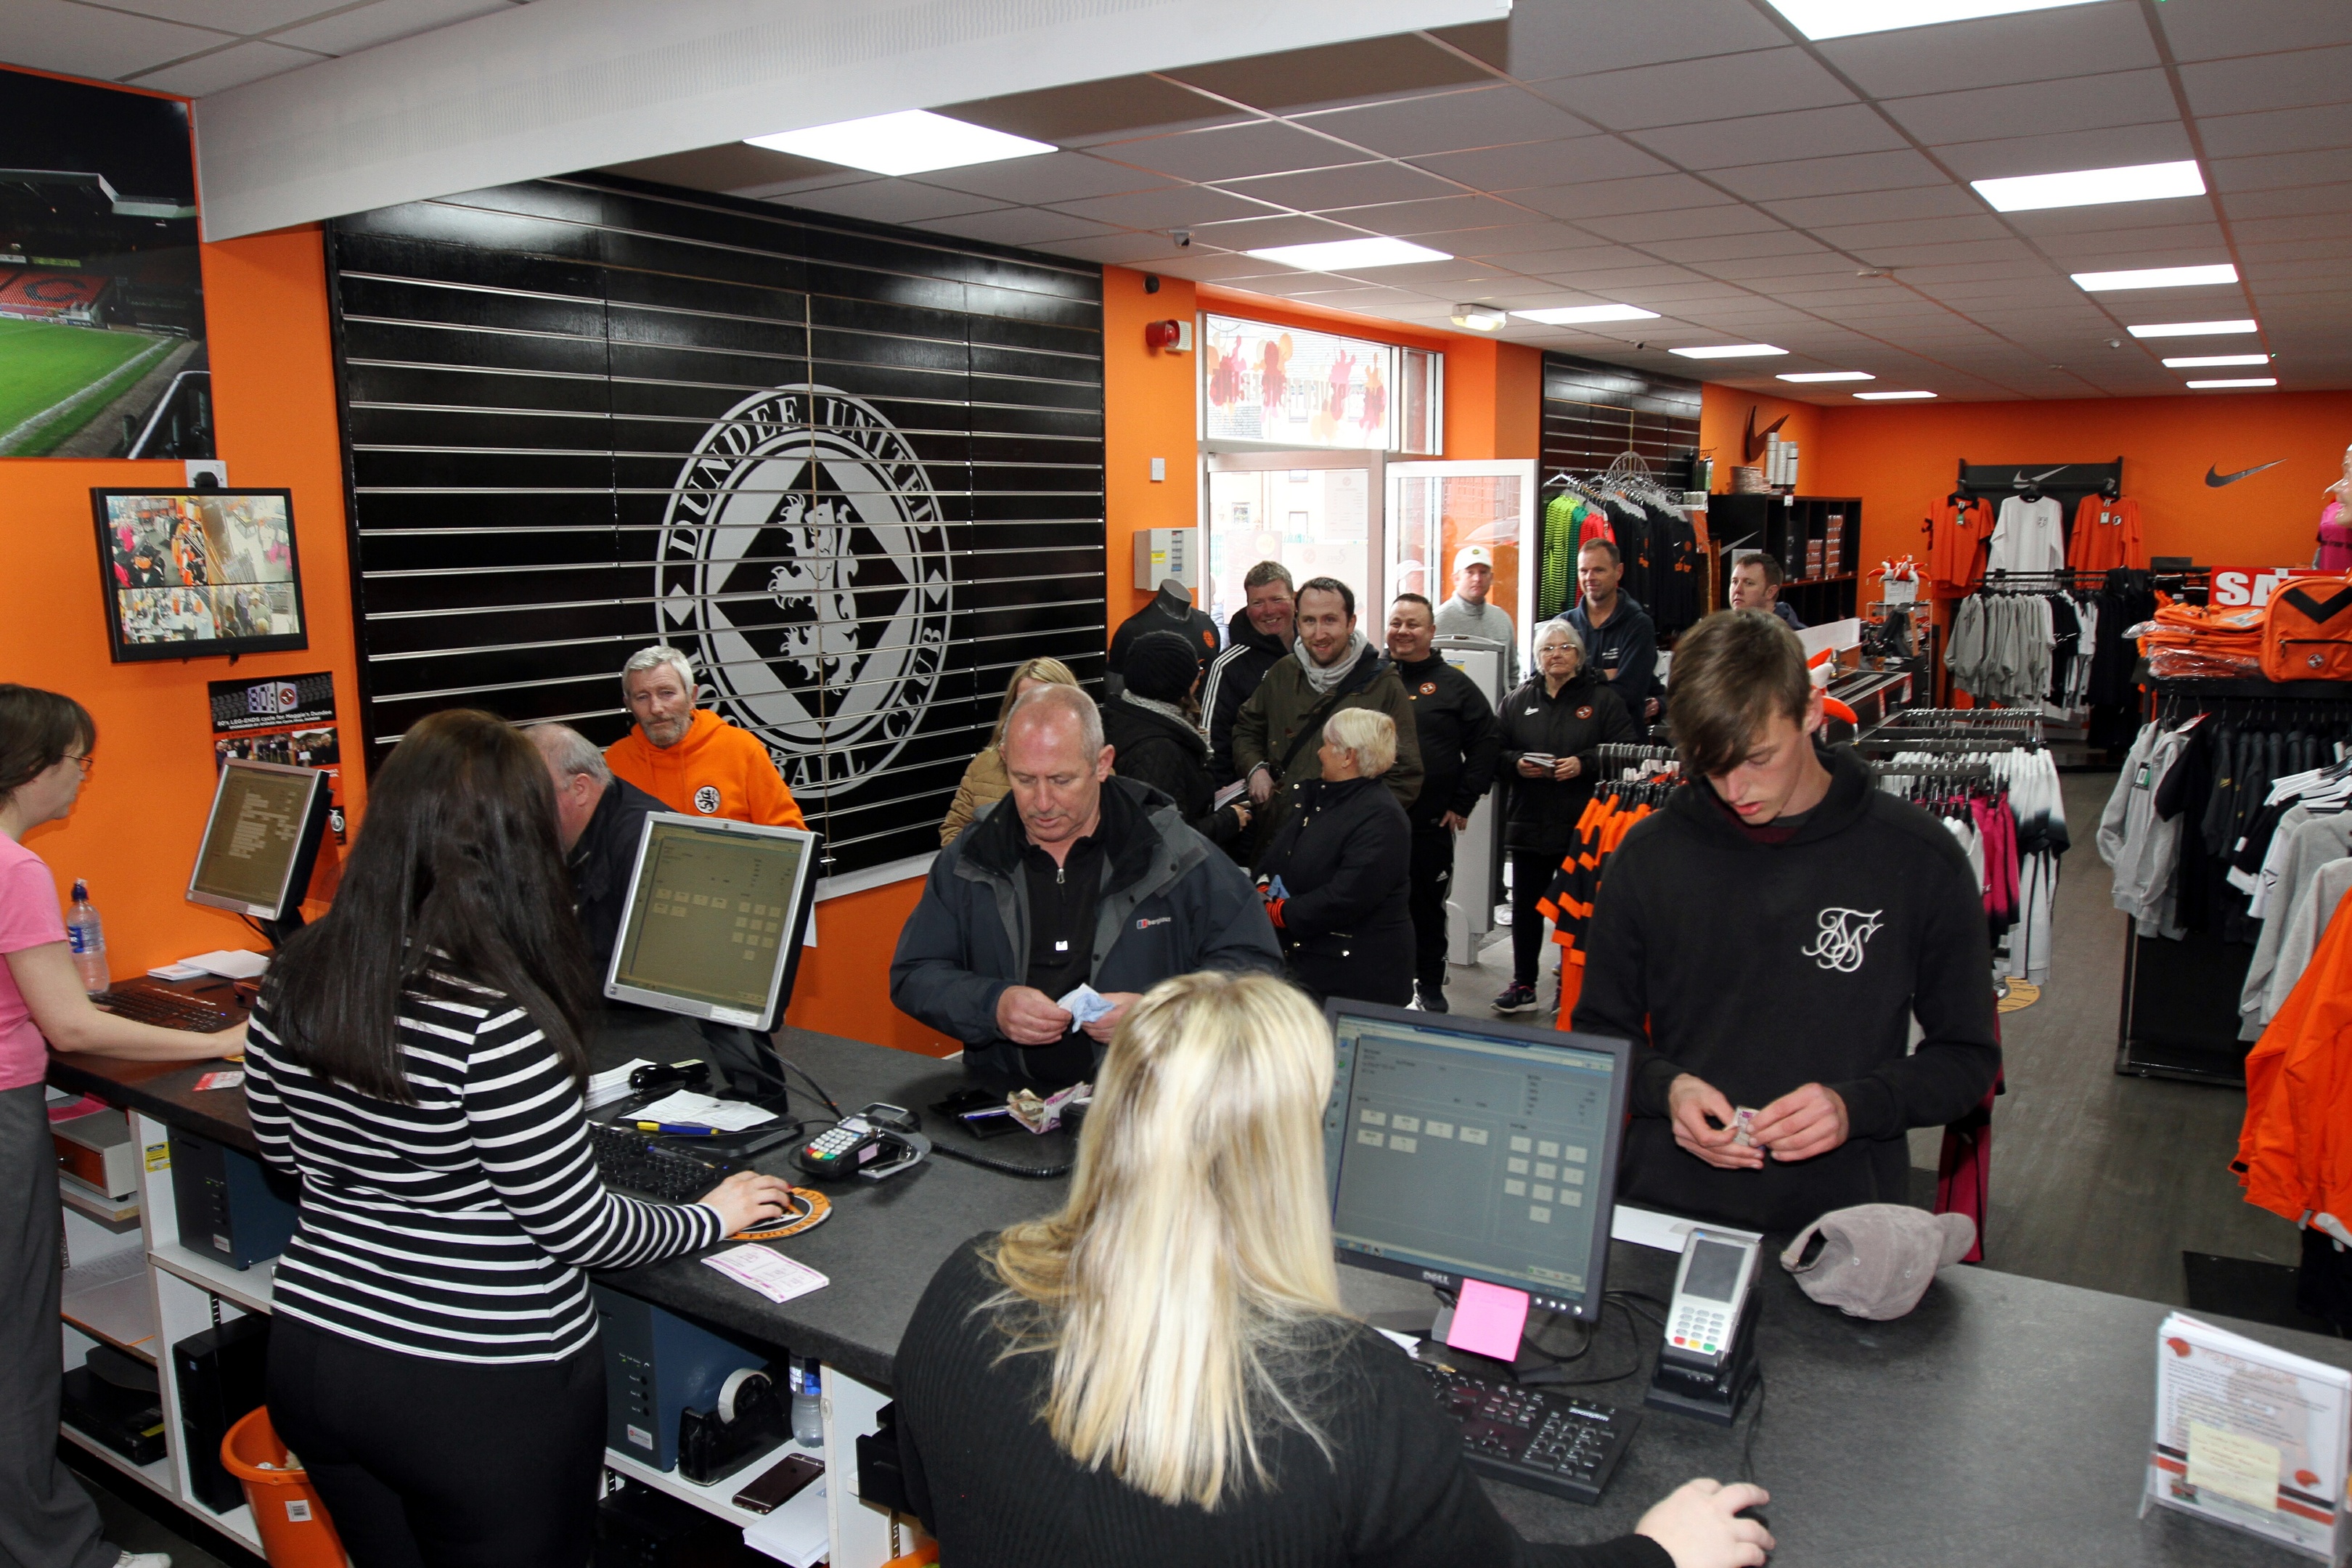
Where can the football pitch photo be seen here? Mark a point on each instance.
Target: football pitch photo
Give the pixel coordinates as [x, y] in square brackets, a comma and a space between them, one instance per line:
[55, 378]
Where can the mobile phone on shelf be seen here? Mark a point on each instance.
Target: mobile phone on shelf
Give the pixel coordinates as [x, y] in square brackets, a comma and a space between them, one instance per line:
[780, 1483]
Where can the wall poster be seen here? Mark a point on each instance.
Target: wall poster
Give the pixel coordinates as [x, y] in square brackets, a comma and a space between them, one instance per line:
[856, 472]
[285, 718]
[102, 296]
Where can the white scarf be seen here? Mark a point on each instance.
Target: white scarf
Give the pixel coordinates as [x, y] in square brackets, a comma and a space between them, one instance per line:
[1323, 677]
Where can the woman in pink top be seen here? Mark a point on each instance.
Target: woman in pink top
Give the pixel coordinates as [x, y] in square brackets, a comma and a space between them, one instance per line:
[45, 741]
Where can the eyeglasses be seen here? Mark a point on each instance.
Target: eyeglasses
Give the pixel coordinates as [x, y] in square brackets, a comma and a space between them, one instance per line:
[87, 763]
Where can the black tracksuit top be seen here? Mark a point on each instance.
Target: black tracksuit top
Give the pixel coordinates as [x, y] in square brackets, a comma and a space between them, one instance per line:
[1455, 724]
[1761, 968]
[1587, 713]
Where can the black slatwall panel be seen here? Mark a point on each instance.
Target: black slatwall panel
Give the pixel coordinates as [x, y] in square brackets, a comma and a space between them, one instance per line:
[1594, 413]
[855, 471]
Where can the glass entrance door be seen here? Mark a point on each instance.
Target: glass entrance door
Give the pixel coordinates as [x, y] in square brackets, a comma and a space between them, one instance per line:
[1435, 510]
[1318, 513]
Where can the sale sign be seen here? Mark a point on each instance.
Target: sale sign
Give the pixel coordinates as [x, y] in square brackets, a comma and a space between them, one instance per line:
[2250, 587]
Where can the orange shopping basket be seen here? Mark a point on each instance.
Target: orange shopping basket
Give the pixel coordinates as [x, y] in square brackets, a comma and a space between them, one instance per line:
[295, 1530]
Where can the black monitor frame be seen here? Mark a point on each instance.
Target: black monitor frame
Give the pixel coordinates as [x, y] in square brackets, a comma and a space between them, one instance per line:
[287, 916]
[1602, 1200]
[124, 651]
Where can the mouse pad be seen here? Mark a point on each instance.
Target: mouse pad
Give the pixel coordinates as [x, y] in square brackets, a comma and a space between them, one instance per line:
[1023, 1153]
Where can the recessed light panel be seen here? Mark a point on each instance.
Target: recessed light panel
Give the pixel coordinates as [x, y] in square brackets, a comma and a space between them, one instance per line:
[2213, 362]
[2092, 187]
[2195, 329]
[2155, 278]
[1349, 254]
[1729, 351]
[2235, 381]
[1828, 375]
[1577, 315]
[1891, 396]
[1820, 19]
[911, 142]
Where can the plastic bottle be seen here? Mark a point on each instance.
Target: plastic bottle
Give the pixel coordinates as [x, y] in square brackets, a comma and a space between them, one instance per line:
[808, 1403]
[86, 934]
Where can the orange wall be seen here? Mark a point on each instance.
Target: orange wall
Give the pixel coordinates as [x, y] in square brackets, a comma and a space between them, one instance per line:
[1901, 460]
[1723, 430]
[1147, 411]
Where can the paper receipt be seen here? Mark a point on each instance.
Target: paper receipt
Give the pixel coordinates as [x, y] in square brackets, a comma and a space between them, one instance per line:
[767, 1271]
[221, 1080]
[2231, 1465]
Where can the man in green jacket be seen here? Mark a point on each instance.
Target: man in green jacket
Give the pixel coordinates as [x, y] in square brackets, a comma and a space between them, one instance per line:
[1277, 733]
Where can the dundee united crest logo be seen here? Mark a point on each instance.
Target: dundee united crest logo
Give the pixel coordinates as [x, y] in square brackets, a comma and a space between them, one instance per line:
[803, 559]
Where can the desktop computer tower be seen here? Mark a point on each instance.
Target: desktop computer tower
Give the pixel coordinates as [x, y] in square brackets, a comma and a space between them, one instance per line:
[220, 1373]
[228, 1206]
[655, 1365]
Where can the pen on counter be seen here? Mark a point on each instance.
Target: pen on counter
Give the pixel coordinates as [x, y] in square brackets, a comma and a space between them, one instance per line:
[677, 1128]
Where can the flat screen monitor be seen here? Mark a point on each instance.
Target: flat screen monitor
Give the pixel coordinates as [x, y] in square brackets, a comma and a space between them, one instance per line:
[715, 916]
[189, 573]
[261, 839]
[1458, 1149]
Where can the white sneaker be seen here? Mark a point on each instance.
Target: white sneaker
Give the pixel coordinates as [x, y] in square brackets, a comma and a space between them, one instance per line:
[144, 1560]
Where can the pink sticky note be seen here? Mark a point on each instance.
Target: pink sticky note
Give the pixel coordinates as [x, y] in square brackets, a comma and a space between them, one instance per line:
[1488, 1319]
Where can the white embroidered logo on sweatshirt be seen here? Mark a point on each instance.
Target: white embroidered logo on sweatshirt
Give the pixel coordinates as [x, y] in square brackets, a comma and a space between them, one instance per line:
[1838, 943]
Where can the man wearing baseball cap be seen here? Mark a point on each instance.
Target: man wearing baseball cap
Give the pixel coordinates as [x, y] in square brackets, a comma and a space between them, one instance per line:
[1469, 615]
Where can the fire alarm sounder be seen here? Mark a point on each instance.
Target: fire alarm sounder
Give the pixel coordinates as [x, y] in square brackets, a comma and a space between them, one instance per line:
[1175, 337]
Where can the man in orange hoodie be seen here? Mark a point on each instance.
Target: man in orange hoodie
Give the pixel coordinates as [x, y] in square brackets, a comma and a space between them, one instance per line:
[692, 760]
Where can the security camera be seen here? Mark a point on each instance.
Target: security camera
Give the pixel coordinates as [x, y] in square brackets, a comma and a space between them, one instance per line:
[1180, 236]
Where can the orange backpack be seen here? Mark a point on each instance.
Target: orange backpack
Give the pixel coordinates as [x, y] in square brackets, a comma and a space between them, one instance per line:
[2307, 630]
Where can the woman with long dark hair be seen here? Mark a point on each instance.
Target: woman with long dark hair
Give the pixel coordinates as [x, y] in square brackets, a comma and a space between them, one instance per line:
[416, 1059]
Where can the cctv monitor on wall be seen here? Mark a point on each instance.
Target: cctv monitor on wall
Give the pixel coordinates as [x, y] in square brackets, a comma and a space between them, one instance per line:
[191, 574]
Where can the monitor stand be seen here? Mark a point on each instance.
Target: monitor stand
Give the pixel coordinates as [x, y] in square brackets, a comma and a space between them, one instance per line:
[747, 1064]
[1432, 1325]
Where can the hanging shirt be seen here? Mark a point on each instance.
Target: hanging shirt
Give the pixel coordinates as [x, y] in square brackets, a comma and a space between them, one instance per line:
[2107, 535]
[1955, 536]
[2029, 536]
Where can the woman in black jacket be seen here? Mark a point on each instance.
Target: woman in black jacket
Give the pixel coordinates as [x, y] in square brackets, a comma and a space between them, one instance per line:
[1149, 728]
[1550, 727]
[1335, 876]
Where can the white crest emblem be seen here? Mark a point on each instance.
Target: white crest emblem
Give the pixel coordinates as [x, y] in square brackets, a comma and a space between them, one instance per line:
[1839, 939]
[805, 560]
[705, 800]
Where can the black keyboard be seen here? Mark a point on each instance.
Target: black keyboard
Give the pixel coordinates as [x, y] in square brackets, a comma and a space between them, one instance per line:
[1551, 1442]
[629, 1159]
[170, 1010]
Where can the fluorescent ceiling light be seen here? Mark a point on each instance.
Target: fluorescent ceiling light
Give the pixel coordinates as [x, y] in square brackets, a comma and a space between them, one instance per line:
[1729, 351]
[911, 142]
[2091, 188]
[1890, 396]
[2155, 278]
[2205, 362]
[1828, 375]
[2195, 328]
[1480, 317]
[1348, 255]
[1818, 19]
[1575, 315]
[2237, 380]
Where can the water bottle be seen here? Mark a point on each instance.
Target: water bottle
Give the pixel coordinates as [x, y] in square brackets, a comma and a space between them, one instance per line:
[86, 934]
[808, 1404]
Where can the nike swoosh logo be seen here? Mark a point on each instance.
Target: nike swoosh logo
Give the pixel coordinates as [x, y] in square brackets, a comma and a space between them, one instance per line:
[2218, 480]
[2021, 481]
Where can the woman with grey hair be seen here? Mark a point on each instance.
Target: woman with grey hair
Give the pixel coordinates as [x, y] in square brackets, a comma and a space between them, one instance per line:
[1550, 727]
[1335, 878]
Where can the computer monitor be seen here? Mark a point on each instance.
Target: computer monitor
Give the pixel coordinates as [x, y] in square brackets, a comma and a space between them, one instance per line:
[261, 841]
[1461, 1148]
[714, 921]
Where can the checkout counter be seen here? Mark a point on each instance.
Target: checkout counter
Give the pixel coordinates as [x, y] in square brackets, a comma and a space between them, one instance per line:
[2005, 1421]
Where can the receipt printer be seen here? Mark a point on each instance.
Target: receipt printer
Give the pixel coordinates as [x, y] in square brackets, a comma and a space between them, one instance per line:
[1706, 1362]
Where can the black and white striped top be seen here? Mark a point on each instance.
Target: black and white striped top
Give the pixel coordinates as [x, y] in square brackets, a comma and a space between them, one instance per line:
[455, 1228]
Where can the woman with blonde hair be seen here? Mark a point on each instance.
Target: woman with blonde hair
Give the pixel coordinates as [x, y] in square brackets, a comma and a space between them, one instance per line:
[984, 781]
[1161, 1373]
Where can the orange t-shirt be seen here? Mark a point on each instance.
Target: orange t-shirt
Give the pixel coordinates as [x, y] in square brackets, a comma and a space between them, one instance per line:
[2107, 535]
[716, 770]
[1956, 537]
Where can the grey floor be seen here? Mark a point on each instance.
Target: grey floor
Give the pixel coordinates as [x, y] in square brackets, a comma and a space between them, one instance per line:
[132, 1529]
[2097, 1180]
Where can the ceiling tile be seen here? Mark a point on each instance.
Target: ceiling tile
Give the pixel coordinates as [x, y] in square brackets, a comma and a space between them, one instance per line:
[1601, 198]
[1019, 225]
[239, 17]
[1466, 214]
[2216, 31]
[1120, 248]
[2198, 242]
[1765, 82]
[1049, 177]
[231, 66]
[1611, 282]
[1755, 270]
[1871, 237]
[1686, 223]
[82, 40]
[1280, 228]
[1723, 246]
[2297, 225]
[2106, 149]
[2083, 103]
[891, 201]
[1359, 185]
[1830, 176]
[1214, 267]
[1255, 147]
[1537, 164]
[1945, 254]
[365, 27]
[1449, 122]
[1569, 38]
[1773, 138]
[2276, 131]
[2296, 80]
[1500, 243]
[1581, 258]
[2278, 170]
[1116, 108]
[2119, 218]
[1390, 66]
[1921, 201]
[1539, 237]
[2250, 252]
[1184, 208]
[2046, 46]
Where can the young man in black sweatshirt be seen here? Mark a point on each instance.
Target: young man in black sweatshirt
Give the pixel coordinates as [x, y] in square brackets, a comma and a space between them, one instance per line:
[1455, 724]
[1770, 934]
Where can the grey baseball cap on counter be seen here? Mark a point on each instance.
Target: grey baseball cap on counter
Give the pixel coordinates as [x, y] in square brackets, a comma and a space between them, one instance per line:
[1877, 1259]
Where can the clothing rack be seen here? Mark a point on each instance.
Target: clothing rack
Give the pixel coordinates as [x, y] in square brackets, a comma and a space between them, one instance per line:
[1993, 481]
[1914, 742]
[1635, 752]
[1884, 767]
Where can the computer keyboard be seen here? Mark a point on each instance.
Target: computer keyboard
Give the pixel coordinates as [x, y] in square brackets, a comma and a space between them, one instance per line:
[1551, 1442]
[629, 1159]
[170, 1010]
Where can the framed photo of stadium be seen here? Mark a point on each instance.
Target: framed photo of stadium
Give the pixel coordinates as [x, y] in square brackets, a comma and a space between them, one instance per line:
[199, 573]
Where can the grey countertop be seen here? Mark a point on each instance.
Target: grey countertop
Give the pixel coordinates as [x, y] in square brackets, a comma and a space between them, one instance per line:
[2005, 1421]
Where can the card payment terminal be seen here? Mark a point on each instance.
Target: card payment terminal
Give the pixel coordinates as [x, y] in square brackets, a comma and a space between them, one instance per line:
[1707, 1361]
